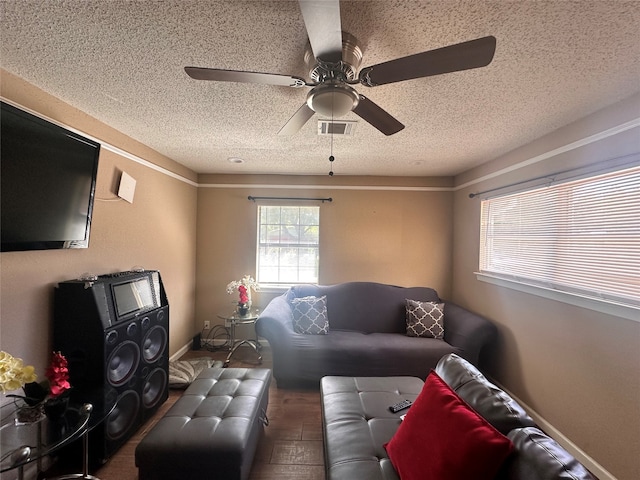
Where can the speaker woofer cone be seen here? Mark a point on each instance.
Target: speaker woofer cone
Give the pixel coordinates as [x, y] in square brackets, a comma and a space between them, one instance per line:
[154, 343]
[154, 388]
[124, 415]
[123, 363]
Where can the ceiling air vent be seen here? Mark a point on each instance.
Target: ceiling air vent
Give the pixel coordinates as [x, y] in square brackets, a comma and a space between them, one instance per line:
[336, 127]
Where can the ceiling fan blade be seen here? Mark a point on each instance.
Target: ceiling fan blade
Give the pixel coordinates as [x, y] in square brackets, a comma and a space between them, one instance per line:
[298, 120]
[376, 116]
[244, 77]
[322, 20]
[462, 56]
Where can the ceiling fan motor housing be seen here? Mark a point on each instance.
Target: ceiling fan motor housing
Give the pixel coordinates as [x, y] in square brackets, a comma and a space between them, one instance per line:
[332, 97]
[320, 71]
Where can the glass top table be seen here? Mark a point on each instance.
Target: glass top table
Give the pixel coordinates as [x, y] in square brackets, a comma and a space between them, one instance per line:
[233, 320]
[23, 442]
[28, 441]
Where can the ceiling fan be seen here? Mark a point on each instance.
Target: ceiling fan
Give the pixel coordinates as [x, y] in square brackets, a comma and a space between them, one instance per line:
[334, 58]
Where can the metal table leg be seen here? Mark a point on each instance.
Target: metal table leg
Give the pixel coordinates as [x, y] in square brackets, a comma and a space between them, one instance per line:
[252, 343]
[85, 458]
[233, 321]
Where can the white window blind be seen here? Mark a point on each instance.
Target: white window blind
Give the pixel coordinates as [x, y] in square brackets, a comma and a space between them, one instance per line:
[581, 237]
[288, 244]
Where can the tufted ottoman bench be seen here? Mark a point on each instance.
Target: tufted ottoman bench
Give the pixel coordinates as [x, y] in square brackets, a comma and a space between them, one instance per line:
[212, 431]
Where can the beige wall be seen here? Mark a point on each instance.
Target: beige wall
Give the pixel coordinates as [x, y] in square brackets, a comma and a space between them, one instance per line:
[577, 368]
[390, 235]
[157, 231]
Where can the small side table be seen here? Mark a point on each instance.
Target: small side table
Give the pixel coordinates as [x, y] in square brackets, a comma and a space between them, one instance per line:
[234, 320]
[44, 437]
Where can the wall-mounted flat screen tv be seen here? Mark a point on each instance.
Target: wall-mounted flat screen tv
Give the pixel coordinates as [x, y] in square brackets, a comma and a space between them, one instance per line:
[48, 181]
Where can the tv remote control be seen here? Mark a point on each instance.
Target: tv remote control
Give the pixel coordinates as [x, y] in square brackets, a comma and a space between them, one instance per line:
[396, 407]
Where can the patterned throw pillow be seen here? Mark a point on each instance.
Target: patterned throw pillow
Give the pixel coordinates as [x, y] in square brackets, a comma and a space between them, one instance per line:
[425, 319]
[310, 315]
[183, 372]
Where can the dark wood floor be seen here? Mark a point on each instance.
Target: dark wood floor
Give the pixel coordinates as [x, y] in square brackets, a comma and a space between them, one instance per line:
[290, 449]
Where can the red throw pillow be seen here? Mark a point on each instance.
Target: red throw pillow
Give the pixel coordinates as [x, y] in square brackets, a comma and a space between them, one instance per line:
[442, 438]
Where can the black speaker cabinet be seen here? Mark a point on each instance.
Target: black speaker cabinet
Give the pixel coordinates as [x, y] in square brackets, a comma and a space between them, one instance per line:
[114, 332]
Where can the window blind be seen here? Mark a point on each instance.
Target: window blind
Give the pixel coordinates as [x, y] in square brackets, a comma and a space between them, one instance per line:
[581, 236]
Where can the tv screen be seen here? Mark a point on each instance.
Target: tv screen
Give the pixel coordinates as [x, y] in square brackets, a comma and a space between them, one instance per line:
[133, 296]
[48, 179]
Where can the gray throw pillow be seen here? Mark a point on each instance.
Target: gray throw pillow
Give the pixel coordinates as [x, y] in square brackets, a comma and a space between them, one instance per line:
[310, 315]
[425, 319]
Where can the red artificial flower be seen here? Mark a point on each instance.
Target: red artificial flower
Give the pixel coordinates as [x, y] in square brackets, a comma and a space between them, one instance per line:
[244, 298]
[58, 375]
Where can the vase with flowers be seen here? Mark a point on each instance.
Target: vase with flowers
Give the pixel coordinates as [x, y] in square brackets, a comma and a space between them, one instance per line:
[50, 397]
[243, 287]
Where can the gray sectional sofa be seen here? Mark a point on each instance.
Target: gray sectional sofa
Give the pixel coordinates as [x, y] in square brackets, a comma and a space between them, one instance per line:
[366, 333]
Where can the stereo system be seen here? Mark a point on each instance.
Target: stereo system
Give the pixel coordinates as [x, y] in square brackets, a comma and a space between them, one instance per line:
[114, 331]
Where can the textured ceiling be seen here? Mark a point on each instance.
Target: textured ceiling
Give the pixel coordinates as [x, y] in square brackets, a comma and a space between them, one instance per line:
[122, 62]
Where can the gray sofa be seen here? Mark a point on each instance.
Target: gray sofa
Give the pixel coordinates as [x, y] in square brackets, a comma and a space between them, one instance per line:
[367, 334]
[357, 424]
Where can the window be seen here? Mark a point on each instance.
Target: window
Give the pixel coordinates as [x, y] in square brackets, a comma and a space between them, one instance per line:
[288, 244]
[581, 237]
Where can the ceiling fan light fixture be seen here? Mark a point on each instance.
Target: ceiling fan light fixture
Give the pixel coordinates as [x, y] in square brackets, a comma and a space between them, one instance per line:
[333, 100]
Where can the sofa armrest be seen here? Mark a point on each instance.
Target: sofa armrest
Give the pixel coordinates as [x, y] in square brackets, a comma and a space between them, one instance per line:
[275, 324]
[275, 320]
[467, 331]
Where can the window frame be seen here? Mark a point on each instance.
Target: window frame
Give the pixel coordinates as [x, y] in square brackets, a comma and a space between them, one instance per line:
[277, 286]
[575, 295]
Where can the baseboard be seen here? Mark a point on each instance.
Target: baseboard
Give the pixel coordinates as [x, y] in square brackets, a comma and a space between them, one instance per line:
[181, 352]
[214, 342]
[209, 342]
[593, 466]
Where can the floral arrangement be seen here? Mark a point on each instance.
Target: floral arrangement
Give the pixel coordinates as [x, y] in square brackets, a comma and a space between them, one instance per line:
[13, 373]
[244, 296]
[58, 375]
[244, 287]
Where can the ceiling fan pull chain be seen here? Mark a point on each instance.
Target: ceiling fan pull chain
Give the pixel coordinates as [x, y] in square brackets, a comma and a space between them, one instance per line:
[331, 157]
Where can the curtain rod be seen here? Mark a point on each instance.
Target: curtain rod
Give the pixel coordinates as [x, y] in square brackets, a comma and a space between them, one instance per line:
[550, 178]
[592, 168]
[302, 199]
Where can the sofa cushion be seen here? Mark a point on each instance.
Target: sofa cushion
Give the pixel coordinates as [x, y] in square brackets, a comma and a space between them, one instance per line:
[496, 406]
[539, 456]
[357, 423]
[310, 315]
[442, 438]
[425, 319]
[356, 354]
